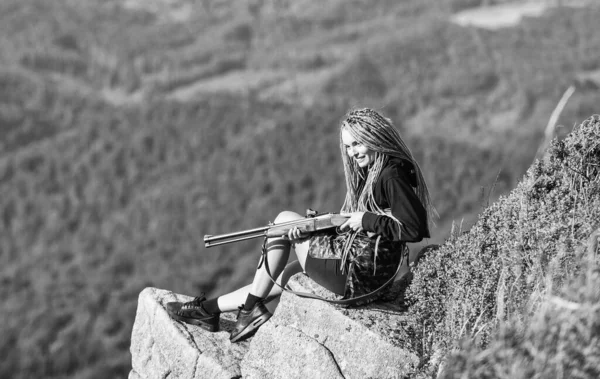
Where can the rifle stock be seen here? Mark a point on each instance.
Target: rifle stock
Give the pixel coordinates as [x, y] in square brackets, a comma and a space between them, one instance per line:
[307, 224]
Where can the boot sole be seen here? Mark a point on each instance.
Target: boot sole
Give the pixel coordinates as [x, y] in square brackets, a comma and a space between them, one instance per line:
[249, 330]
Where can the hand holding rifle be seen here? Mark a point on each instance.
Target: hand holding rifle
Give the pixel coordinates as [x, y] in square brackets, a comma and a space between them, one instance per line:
[294, 230]
[354, 221]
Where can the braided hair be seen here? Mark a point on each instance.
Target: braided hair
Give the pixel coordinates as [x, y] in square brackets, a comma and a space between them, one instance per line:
[378, 134]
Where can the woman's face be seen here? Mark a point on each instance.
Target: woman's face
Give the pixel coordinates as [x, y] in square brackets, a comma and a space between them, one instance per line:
[357, 151]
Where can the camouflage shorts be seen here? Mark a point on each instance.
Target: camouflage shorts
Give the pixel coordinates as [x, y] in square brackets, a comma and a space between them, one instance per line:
[366, 273]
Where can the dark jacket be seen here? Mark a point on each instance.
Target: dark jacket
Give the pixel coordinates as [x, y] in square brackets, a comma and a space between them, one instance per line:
[394, 190]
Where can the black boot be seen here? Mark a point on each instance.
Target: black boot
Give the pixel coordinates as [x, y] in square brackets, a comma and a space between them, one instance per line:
[194, 313]
[248, 322]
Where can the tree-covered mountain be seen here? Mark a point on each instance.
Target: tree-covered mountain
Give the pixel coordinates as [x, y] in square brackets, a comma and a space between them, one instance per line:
[129, 129]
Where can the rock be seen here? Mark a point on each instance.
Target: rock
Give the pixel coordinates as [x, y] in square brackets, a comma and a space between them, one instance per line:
[312, 338]
[286, 356]
[161, 347]
[305, 338]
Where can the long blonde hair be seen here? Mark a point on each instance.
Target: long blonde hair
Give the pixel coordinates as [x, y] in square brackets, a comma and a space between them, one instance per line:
[378, 134]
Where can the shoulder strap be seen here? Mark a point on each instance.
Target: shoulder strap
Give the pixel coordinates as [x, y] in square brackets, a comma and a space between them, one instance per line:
[346, 302]
[351, 301]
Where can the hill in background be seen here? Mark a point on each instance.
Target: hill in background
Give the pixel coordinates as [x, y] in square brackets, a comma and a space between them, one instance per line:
[131, 129]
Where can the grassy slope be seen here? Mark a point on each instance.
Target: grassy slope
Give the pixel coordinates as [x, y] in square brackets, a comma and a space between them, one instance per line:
[127, 134]
[513, 268]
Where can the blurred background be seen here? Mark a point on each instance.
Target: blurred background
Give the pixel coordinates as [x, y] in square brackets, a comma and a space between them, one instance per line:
[129, 129]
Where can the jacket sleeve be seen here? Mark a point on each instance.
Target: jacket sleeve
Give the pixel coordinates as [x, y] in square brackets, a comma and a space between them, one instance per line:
[405, 207]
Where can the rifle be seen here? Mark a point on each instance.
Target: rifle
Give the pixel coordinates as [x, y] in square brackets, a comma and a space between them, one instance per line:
[311, 223]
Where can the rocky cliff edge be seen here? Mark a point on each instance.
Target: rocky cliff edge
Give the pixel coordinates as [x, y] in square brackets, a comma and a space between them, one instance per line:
[305, 338]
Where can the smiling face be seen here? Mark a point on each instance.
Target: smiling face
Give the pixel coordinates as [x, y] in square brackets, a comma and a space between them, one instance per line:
[357, 151]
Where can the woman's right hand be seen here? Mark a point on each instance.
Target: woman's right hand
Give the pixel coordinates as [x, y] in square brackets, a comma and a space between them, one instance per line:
[297, 236]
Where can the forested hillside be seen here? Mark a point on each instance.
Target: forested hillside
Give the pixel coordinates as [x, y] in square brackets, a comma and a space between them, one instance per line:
[129, 129]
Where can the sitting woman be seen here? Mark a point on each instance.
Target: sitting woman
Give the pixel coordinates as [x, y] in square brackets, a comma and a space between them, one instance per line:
[387, 204]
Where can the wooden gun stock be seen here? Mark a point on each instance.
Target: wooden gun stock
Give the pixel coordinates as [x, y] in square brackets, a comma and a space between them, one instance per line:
[307, 224]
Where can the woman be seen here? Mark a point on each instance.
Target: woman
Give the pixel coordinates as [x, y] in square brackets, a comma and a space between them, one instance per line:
[387, 204]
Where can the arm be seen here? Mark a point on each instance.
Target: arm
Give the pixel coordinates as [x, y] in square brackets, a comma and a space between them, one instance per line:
[405, 207]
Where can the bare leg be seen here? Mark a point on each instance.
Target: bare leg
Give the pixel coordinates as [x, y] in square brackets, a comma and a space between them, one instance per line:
[276, 256]
[262, 285]
[256, 301]
[231, 301]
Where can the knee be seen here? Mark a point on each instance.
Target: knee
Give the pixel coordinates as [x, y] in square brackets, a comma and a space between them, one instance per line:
[286, 216]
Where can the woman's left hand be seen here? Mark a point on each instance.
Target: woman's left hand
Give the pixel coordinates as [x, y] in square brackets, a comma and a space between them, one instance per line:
[297, 236]
[354, 222]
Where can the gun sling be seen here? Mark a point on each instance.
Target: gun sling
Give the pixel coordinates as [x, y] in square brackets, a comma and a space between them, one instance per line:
[322, 270]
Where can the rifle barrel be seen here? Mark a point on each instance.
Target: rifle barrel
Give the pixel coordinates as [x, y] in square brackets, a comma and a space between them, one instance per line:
[222, 239]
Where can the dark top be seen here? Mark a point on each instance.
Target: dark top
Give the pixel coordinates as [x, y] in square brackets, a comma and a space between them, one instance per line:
[394, 189]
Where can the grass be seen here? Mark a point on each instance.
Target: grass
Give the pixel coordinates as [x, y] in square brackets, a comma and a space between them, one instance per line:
[482, 289]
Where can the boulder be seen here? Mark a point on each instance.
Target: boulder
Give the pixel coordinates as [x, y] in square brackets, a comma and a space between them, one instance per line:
[161, 347]
[315, 339]
[304, 338]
